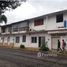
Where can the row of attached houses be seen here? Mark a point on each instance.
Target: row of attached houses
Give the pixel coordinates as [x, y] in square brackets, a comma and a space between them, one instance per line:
[36, 31]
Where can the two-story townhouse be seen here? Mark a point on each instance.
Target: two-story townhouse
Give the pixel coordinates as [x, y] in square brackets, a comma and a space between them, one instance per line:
[36, 31]
[50, 27]
[12, 34]
[57, 27]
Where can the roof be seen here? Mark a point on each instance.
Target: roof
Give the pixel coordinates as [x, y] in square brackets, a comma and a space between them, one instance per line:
[42, 16]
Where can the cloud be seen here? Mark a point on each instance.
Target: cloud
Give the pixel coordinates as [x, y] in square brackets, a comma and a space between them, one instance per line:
[49, 5]
[33, 8]
[20, 13]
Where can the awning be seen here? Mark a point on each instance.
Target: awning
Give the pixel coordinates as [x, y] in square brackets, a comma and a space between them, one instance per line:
[59, 32]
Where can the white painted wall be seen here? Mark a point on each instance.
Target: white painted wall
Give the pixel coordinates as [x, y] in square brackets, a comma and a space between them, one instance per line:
[35, 45]
[40, 27]
[65, 16]
[28, 40]
[0, 39]
[51, 23]
[0, 29]
[27, 43]
[48, 40]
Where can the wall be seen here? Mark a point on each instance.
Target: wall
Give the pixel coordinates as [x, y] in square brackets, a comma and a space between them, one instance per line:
[51, 23]
[65, 17]
[0, 29]
[40, 27]
[47, 39]
[28, 40]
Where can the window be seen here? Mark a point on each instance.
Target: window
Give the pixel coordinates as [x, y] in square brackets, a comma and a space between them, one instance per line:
[59, 18]
[8, 39]
[17, 39]
[3, 29]
[10, 29]
[15, 29]
[34, 39]
[38, 22]
[24, 38]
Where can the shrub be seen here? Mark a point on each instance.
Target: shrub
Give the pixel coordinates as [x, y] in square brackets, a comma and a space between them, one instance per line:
[44, 47]
[22, 46]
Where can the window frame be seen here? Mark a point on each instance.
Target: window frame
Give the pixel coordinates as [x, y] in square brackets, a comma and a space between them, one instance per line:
[17, 39]
[33, 39]
[24, 38]
[38, 22]
[59, 18]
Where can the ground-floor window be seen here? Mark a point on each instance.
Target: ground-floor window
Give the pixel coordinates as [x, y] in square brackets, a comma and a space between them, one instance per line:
[8, 39]
[17, 39]
[24, 38]
[34, 39]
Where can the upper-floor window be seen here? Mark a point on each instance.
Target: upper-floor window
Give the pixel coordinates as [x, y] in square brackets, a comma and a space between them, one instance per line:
[38, 22]
[59, 18]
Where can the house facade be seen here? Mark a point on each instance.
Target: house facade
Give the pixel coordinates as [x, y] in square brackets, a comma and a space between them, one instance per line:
[36, 31]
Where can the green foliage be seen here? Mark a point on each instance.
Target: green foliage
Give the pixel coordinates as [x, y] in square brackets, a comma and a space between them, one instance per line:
[22, 46]
[3, 18]
[44, 47]
[7, 5]
[10, 4]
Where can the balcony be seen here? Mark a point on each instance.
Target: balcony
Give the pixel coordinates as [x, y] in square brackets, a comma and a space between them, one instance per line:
[15, 30]
[20, 29]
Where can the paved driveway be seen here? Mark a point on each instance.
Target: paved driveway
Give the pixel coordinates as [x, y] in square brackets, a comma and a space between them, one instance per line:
[19, 58]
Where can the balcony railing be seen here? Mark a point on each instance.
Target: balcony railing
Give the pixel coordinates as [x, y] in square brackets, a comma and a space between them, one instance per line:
[16, 29]
[20, 29]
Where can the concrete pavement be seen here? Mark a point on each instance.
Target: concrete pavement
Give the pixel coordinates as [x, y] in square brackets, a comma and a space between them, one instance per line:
[19, 58]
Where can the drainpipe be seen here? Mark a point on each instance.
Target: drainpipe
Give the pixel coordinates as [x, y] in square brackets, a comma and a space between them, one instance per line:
[13, 42]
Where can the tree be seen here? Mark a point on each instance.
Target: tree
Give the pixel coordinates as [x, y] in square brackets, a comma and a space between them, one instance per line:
[3, 18]
[8, 4]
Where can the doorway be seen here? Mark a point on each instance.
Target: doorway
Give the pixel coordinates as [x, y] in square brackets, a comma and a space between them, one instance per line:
[41, 41]
[54, 42]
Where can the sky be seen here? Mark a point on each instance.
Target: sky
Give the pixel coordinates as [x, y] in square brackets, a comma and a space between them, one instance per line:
[34, 8]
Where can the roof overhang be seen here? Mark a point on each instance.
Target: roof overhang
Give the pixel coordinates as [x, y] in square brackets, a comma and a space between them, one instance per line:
[61, 31]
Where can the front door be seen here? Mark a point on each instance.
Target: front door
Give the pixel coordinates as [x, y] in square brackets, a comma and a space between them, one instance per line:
[54, 42]
[41, 41]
